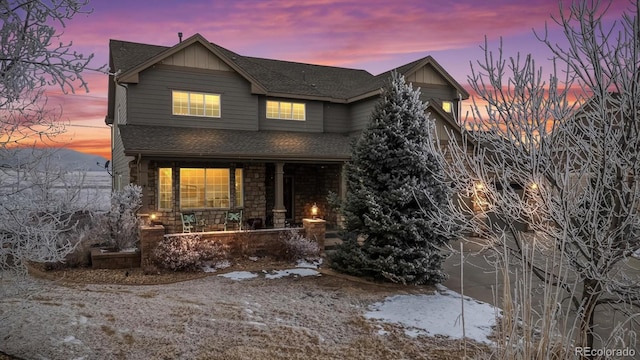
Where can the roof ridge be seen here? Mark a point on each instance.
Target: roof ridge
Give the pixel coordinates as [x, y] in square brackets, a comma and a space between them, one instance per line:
[307, 64]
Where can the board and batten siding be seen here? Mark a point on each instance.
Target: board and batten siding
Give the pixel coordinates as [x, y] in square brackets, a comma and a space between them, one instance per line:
[313, 118]
[150, 101]
[426, 75]
[196, 56]
[336, 118]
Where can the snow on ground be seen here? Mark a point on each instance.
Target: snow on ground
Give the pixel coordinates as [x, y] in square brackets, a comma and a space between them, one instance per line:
[213, 267]
[437, 314]
[310, 263]
[303, 268]
[276, 274]
[239, 275]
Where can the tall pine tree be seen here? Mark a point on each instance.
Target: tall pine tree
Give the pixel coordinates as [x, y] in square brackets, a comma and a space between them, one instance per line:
[393, 180]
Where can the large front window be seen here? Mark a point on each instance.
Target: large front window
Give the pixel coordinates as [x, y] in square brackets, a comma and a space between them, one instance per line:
[196, 104]
[285, 110]
[209, 188]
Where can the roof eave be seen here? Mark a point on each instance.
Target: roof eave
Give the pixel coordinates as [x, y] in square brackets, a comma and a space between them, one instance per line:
[265, 157]
[306, 97]
[132, 75]
[373, 93]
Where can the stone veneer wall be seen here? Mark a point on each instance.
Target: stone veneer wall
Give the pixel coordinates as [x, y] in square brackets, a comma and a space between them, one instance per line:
[254, 196]
[255, 201]
[311, 183]
[259, 242]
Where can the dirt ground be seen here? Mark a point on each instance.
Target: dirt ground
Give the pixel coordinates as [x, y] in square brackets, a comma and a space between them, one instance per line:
[94, 314]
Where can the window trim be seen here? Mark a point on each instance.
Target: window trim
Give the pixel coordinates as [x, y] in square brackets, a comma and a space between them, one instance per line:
[230, 187]
[238, 205]
[292, 112]
[189, 93]
[171, 195]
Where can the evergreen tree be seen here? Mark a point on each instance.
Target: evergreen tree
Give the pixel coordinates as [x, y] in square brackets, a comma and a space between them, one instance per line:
[394, 181]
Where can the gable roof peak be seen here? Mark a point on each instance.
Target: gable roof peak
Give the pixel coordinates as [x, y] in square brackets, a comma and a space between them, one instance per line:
[278, 78]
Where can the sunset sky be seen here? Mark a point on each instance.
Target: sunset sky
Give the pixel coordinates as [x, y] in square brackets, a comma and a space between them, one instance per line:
[376, 35]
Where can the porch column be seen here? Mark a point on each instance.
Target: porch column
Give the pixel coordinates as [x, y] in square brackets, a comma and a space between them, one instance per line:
[279, 212]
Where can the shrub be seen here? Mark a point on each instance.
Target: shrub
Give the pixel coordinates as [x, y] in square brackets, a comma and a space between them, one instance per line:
[293, 246]
[187, 252]
[122, 220]
[86, 234]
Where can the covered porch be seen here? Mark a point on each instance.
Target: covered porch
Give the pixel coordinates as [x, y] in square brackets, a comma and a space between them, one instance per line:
[273, 177]
[269, 195]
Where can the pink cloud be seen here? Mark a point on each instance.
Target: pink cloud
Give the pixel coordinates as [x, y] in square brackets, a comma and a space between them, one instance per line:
[377, 36]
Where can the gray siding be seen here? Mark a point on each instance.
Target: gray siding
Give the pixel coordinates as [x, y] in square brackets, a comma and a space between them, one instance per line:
[360, 113]
[336, 118]
[313, 122]
[150, 99]
[119, 162]
[442, 93]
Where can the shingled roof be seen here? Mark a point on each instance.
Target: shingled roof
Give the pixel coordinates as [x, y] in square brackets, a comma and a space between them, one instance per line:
[277, 76]
[234, 144]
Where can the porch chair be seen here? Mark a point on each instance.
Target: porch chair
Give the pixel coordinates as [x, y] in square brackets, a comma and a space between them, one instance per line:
[233, 217]
[189, 222]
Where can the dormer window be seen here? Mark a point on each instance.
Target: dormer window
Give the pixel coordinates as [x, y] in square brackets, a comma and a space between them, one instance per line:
[286, 110]
[188, 103]
[447, 106]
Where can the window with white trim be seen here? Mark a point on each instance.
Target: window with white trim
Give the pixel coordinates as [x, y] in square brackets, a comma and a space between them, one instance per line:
[188, 103]
[165, 188]
[209, 188]
[285, 110]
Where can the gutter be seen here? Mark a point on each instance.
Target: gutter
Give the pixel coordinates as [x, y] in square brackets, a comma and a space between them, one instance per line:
[247, 157]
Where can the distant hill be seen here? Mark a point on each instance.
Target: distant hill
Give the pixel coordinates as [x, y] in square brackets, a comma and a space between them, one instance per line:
[63, 158]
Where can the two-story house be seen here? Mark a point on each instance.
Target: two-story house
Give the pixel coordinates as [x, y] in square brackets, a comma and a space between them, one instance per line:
[203, 129]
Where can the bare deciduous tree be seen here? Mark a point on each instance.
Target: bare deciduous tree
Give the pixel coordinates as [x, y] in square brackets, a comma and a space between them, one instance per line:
[556, 175]
[37, 202]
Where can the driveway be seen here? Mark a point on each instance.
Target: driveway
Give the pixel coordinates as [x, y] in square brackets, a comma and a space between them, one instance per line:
[477, 278]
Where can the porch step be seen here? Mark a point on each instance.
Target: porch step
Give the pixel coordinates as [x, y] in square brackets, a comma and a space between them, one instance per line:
[331, 240]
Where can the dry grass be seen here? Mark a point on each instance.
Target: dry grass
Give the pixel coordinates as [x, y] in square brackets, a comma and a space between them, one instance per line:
[215, 318]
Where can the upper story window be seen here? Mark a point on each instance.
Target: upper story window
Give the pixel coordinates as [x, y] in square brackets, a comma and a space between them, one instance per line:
[285, 110]
[190, 103]
[447, 106]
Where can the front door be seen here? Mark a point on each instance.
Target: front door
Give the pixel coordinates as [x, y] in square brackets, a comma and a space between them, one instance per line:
[287, 195]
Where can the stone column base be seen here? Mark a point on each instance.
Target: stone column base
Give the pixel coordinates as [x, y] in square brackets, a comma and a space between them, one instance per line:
[315, 229]
[150, 236]
[279, 217]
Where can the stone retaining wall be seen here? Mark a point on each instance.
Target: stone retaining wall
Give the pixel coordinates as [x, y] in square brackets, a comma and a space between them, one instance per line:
[247, 242]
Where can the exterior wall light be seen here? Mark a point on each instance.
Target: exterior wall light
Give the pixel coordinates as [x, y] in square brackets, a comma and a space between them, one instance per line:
[314, 210]
[153, 220]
